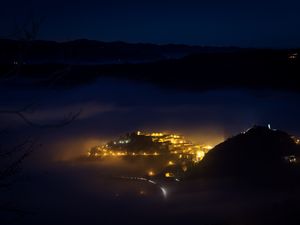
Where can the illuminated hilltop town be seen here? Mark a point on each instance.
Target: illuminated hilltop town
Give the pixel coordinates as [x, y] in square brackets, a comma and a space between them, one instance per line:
[175, 154]
[173, 147]
[151, 144]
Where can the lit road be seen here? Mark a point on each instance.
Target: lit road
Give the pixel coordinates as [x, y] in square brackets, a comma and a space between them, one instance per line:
[163, 189]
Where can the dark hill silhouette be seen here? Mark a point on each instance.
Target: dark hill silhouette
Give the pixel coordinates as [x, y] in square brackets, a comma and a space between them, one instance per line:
[258, 152]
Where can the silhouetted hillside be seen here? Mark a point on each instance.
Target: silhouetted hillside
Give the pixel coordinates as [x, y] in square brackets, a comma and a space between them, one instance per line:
[260, 152]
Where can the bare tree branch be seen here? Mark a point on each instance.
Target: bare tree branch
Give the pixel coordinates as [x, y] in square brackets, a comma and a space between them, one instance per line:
[14, 166]
[12, 158]
[13, 150]
[17, 213]
[21, 113]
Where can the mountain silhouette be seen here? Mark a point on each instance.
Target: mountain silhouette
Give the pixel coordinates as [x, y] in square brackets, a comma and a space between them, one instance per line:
[260, 151]
[83, 51]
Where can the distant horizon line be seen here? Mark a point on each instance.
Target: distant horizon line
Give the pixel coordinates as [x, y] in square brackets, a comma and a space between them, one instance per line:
[152, 43]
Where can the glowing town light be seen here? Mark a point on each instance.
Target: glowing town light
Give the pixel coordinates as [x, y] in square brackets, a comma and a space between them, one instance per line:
[156, 134]
[151, 173]
[168, 174]
[170, 163]
[208, 147]
[200, 155]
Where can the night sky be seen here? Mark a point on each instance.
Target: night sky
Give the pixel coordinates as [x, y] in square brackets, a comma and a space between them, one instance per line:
[49, 170]
[248, 23]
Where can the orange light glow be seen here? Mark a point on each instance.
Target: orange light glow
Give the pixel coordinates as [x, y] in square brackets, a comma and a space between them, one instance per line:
[151, 173]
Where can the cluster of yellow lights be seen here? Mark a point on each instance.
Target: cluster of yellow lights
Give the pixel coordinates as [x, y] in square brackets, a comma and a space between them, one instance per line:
[180, 147]
[163, 137]
[151, 134]
[208, 147]
[195, 155]
[168, 174]
[156, 134]
[199, 155]
[178, 141]
[113, 153]
[174, 136]
[180, 152]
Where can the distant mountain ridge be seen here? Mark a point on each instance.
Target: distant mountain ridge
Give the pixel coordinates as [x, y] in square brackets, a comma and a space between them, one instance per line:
[83, 51]
[169, 66]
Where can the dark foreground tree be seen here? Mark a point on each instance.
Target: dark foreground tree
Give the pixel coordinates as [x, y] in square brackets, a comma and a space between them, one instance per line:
[13, 151]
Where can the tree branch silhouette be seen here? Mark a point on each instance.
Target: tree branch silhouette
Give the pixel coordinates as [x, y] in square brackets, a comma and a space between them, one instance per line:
[21, 114]
[11, 158]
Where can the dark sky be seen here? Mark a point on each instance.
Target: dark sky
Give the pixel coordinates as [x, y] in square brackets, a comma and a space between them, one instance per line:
[253, 23]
